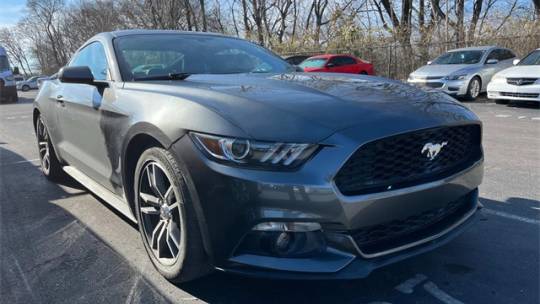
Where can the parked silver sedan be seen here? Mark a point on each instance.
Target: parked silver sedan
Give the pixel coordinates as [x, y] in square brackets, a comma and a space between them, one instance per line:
[30, 83]
[463, 72]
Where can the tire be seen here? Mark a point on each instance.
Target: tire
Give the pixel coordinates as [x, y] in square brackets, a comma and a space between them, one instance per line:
[50, 165]
[363, 73]
[25, 88]
[474, 88]
[502, 101]
[170, 234]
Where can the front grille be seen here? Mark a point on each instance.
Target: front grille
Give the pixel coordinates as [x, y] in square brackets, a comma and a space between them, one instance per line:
[522, 95]
[399, 161]
[433, 84]
[521, 81]
[397, 233]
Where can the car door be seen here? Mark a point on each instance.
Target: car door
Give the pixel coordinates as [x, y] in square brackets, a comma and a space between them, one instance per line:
[332, 65]
[85, 137]
[489, 68]
[350, 65]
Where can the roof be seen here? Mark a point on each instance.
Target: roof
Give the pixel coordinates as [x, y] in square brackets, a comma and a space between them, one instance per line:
[475, 48]
[330, 55]
[121, 33]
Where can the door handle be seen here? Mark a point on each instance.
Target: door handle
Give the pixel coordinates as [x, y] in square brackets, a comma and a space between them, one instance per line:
[60, 100]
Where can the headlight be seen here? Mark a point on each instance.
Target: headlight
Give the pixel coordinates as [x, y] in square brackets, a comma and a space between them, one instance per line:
[411, 77]
[251, 153]
[497, 77]
[456, 77]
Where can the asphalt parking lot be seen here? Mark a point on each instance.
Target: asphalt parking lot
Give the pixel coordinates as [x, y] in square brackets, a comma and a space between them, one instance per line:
[60, 244]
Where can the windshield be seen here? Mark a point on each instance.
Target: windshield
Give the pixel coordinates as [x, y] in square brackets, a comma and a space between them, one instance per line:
[459, 57]
[531, 59]
[313, 63]
[4, 64]
[150, 56]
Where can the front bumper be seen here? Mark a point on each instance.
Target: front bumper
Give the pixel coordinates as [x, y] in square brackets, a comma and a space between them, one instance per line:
[504, 91]
[450, 87]
[358, 267]
[231, 201]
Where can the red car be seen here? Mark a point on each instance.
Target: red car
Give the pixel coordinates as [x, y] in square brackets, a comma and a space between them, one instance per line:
[337, 64]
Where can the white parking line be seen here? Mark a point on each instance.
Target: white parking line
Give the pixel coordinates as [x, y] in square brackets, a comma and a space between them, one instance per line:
[511, 216]
[502, 115]
[535, 118]
[407, 287]
[439, 294]
[521, 117]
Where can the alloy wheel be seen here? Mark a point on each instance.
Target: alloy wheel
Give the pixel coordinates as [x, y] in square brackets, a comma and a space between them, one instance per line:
[475, 88]
[43, 146]
[159, 210]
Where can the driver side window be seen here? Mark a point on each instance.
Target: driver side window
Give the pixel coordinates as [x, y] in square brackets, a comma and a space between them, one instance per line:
[92, 56]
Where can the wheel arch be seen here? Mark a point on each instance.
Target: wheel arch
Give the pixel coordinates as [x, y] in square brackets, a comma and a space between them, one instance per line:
[140, 138]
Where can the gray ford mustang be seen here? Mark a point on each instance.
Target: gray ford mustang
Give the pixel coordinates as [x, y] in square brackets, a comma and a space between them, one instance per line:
[229, 159]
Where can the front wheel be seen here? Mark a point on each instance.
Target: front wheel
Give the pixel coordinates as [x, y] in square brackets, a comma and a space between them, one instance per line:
[25, 88]
[50, 165]
[166, 217]
[473, 90]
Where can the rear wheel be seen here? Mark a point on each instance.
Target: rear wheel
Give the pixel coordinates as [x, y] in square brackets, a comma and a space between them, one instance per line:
[473, 90]
[166, 217]
[363, 73]
[50, 165]
[25, 88]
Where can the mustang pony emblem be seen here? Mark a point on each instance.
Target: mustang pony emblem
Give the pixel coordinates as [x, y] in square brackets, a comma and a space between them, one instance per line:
[433, 149]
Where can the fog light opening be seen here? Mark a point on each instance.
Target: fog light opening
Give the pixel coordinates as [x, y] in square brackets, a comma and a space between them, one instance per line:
[288, 226]
[285, 240]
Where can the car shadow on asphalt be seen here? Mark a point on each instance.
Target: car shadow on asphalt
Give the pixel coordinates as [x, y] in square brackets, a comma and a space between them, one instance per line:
[47, 254]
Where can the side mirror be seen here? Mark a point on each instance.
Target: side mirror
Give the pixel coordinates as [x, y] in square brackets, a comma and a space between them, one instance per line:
[76, 74]
[492, 61]
[429, 62]
[330, 65]
[515, 62]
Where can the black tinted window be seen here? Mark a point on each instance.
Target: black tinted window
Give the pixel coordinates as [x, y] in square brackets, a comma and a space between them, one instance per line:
[507, 54]
[92, 56]
[347, 60]
[495, 54]
[4, 64]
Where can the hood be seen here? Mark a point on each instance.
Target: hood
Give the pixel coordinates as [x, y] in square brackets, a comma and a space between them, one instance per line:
[436, 70]
[521, 71]
[309, 107]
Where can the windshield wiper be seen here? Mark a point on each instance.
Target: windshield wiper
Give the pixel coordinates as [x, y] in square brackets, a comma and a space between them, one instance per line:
[170, 76]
